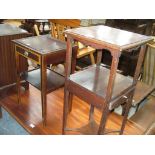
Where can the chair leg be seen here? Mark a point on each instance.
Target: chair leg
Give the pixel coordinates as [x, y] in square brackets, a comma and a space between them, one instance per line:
[65, 110]
[0, 111]
[52, 67]
[92, 58]
[91, 113]
[103, 121]
[127, 108]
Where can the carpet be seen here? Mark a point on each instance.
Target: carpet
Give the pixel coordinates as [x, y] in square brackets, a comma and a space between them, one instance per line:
[9, 126]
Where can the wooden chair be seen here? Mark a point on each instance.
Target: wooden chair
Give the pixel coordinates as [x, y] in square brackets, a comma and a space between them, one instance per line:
[58, 26]
[36, 29]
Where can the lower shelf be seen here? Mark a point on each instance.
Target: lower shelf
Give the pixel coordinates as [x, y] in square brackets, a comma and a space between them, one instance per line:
[54, 80]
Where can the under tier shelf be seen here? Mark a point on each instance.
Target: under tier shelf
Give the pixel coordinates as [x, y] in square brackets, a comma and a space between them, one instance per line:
[95, 79]
[54, 80]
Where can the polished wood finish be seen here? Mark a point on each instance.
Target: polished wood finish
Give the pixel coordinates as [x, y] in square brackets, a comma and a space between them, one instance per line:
[58, 26]
[29, 113]
[54, 80]
[7, 53]
[93, 85]
[67, 22]
[43, 50]
[95, 74]
[101, 36]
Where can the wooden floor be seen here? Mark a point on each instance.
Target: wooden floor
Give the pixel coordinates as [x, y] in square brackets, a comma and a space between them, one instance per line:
[28, 114]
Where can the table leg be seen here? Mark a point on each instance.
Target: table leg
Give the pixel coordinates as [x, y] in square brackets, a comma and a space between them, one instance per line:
[99, 57]
[43, 89]
[18, 77]
[98, 62]
[91, 113]
[70, 102]
[139, 63]
[105, 112]
[127, 108]
[92, 58]
[68, 70]
[73, 66]
[65, 109]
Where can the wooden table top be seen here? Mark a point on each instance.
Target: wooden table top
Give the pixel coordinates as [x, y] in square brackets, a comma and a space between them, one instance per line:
[43, 44]
[109, 37]
[7, 29]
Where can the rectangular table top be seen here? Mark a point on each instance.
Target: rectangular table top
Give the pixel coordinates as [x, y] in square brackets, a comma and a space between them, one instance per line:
[109, 37]
[7, 29]
[43, 44]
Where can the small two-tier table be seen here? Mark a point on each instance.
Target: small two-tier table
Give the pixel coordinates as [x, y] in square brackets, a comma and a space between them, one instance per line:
[43, 50]
[100, 87]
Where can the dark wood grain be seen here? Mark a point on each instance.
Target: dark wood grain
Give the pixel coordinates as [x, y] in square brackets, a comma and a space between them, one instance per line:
[45, 48]
[54, 80]
[95, 85]
[92, 80]
[7, 53]
[107, 37]
[42, 45]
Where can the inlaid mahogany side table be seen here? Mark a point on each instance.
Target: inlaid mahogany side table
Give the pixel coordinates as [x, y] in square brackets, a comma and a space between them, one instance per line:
[43, 50]
[101, 87]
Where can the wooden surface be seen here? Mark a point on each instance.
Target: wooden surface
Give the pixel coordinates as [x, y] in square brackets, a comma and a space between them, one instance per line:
[108, 37]
[44, 50]
[58, 26]
[7, 53]
[95, 79]
[88, 87]
[54, 80]
[66, 22]
[43, 44]
[29, 112]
